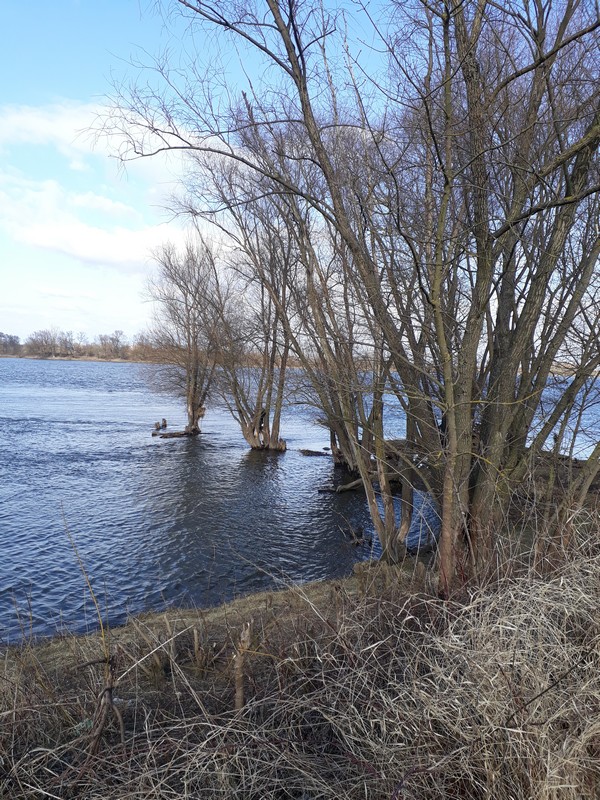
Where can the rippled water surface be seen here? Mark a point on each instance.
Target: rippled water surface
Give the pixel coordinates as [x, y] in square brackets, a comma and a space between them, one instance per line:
[155, 522]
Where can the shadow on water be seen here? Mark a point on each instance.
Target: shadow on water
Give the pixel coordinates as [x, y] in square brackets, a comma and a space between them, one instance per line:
[226, 521]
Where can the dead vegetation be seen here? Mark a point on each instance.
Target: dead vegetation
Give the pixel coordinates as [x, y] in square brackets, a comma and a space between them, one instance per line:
[366, 688]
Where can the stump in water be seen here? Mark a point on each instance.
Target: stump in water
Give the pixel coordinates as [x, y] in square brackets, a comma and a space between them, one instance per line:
[179, 434]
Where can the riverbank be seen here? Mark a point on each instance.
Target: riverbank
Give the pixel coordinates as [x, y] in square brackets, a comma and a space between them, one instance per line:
[361, 688]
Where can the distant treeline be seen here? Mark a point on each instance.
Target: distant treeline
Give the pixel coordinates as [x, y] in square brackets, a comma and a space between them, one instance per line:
[53, 343]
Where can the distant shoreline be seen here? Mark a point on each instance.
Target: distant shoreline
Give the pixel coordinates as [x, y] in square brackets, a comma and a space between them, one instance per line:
[77, 358]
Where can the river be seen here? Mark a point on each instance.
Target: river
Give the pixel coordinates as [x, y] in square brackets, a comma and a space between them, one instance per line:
[86, 493]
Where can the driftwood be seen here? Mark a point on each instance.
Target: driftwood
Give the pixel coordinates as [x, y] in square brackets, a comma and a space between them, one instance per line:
[349, 487]
[353, 486]
[177, 434]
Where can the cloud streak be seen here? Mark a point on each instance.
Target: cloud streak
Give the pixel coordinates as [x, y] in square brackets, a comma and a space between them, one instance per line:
[47, 216]
[63, 125]
[72, 220]
[91, 226]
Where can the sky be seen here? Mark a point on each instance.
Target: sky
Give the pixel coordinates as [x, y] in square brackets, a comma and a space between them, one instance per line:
[76, 229]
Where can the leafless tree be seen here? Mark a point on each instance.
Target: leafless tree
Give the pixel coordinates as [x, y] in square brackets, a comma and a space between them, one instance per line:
[184, 335]
[111, 345]
[43, 343]
[253, 345]
[252, 366]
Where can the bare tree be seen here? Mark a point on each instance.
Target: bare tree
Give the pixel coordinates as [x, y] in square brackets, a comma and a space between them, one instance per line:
[142, 348]
[300, 265]
[184, 333]
[119, 344]
[43, 343]
[253, 357]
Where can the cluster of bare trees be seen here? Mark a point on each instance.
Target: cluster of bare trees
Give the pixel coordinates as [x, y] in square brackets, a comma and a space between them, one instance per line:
[55, 343]
[416, 210]
[9, 344]
[213, 335]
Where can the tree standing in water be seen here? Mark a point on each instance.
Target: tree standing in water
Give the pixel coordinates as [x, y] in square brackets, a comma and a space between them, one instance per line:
[184, 331]
[253, 354]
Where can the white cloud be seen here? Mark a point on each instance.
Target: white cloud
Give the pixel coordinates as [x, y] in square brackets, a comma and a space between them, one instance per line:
[65, 292]
[118, 247]
[62, 125]
[77, 228]
[68, 127]
[88, 226]
[78, 165]
[100, 203]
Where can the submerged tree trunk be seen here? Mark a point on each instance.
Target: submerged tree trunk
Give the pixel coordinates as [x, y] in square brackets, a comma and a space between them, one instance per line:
[195, 413]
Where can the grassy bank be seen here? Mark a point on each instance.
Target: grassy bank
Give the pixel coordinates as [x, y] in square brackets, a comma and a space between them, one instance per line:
[365, 688]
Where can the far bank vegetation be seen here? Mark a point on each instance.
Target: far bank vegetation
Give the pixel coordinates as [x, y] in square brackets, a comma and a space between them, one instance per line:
[56, 343]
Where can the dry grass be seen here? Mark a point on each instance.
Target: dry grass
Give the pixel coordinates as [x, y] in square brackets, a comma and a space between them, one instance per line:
[356, 689]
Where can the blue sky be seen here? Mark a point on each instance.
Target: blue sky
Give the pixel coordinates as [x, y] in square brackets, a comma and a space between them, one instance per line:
[76, 230]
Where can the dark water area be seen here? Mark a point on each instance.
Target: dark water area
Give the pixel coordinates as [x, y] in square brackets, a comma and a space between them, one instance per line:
[154, 522]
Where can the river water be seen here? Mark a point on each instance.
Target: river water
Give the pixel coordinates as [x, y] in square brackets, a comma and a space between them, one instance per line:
[86, 493]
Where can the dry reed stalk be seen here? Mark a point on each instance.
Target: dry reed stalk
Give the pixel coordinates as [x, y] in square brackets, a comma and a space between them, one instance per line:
[243, 645]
